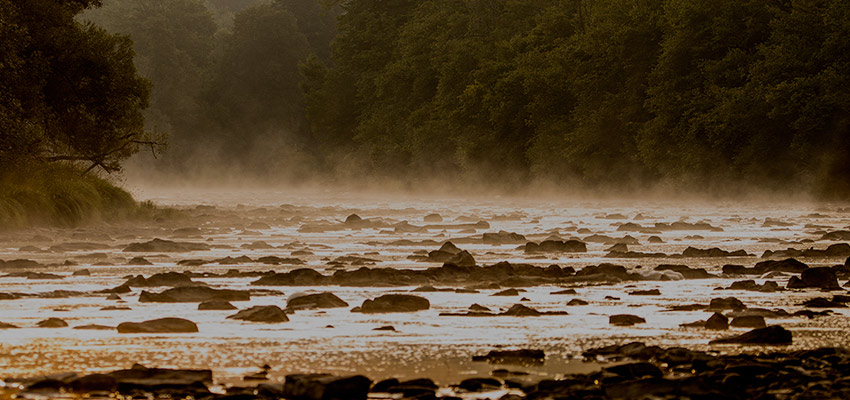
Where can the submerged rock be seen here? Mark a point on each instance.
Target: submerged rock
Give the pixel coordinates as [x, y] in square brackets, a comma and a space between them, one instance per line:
[161, 325]
[389, 303]
[194, 294]
[269, 314]
[315, 300]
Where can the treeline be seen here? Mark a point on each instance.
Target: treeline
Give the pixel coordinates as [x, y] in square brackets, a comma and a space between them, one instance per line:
[594, 92]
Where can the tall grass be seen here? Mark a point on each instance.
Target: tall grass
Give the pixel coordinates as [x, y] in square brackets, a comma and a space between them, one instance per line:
[59, 195]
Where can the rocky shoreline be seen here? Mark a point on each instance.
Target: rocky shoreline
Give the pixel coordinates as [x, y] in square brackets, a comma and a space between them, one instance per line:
[629, 371]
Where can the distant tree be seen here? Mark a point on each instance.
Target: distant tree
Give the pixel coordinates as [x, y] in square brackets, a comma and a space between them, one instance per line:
[70, 89]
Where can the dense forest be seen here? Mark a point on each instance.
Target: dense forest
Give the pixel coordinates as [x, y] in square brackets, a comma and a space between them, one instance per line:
[597, 93]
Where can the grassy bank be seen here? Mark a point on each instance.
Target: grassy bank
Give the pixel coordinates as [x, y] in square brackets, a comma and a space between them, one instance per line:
[60, 195]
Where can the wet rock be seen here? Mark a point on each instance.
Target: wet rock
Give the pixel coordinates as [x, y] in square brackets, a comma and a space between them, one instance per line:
[173, 279]
[625, 320]
[748, 321]
[520, 356]
[139, 261]
[81, 272]
[519, 310]
[609, 271]
[94, 383]
[820, 302]
[462, 259]
[298, 277]
[165, 246]
[479, 385]
[565, 291]
[95, 327]
[818, 277]
[4, 325]
[634, 389]
[618, 248]
[507, 292]
[326, 387]
[556, 246]
[216, 305]
[771, 335]
[687, 272]
[788, 265]
[315, 300]
[194, 294]
[717, 322]
[154, 380]
[712, 252]
[385, 328]
[52, 323]
[751, 285]
[389, 303]
[650, 292]
[433, 218]
[726, 303]
[503, 237]
[122, 289]
[19, 263]
[478, 308]
[577, 302]
[654, 240]
[636, 370]
[836, 236]
[161, 325]
[34, 275]
[268, 314]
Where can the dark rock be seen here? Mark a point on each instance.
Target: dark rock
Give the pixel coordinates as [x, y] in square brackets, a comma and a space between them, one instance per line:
[433, 218]
[836, 236]
[507, 292]
[462, 259]
[503, 237]
[81, 272]
[479, 384]
[216, 305]
[315, 300]
[636, 370]
[712, 252]
[820, 302]
[389, 303]
[521, 356]
[384, 385]
[641, 388]
[625, 320]
[771, 335]
[165, 246]
[752, 321]
[194, 294]
[788, 265]
[139, 261]
[650, 292]
[717, 322]
[173, 279]
[326, 387]
[268, 314]
[52, 323]
[606, 270]
[162, 325]
[153, 380]
[577, 302]
[4, 325]
[298, 277]
[556, 246]
[818, 277]
[751, 285]
[654, 239]
[519, 310]
[687, 272]
[727, 303]
[565, 291]
[94, 383]
[478, 308]
[385, 328]
[95, 327]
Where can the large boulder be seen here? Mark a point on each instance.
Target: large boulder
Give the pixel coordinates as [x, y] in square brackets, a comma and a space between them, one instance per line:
[161, 325]
[771, 335]
[315, 300]
[395, 303]
[817, 277]
[326, 387]
[194, 294]
[269, 314]
[165, 246]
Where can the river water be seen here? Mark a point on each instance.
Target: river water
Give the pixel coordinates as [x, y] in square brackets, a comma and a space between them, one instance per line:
[423, 343]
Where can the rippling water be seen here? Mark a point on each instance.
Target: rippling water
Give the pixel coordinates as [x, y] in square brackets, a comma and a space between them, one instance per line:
[424, 344]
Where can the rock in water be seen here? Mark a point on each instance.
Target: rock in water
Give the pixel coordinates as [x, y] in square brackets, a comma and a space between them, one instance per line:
[165, 246]
[194, 294]
[395, 303]
[316, 300]
[625, 320]
[519, 310]
[748, 321]
[521, 356]
[162, 325]
[771, 335]
[216, 305]
[52, 323]
[717, 322]
[269, 314]
[817, 277]
[326, 387]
